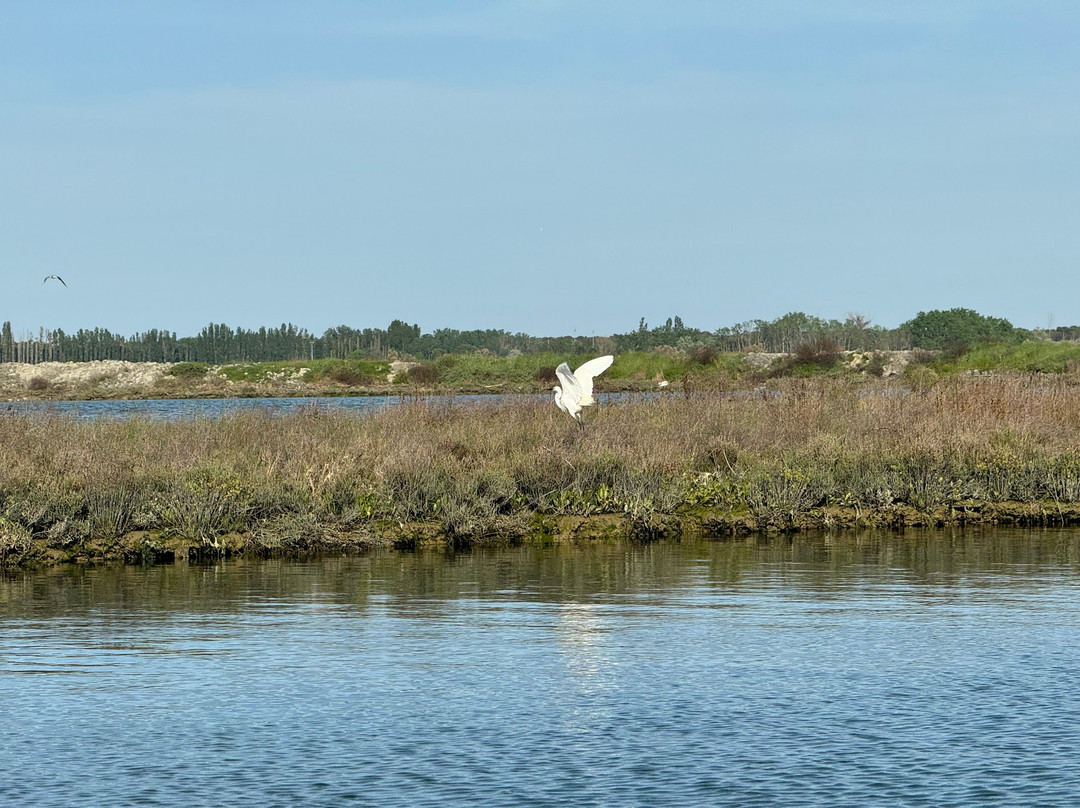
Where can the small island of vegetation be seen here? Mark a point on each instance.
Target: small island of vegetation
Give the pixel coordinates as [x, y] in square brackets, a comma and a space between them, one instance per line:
[740, 441]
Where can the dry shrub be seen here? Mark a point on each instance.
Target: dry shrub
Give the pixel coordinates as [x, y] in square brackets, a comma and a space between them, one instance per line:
[15, 543]
[426, 374]
[875, 365]
[38, 383]
[824, 351]
[546, 375]
[953, 349]
[703, 355]
[291, 532]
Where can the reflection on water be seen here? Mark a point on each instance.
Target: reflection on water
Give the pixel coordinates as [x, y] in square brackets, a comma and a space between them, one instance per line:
[580, 634]
[925, 669]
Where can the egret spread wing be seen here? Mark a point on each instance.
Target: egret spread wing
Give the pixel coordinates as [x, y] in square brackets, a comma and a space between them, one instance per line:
[571, 389]
[586, 373]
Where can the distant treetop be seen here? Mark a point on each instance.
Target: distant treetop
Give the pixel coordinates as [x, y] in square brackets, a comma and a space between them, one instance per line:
[937, 329]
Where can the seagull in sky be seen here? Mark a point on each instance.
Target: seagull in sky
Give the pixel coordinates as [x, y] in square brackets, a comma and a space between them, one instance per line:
[50, 277]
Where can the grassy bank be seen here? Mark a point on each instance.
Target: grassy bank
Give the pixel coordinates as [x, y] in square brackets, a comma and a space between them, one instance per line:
[824, 452]
[699, 369]
[450, 374]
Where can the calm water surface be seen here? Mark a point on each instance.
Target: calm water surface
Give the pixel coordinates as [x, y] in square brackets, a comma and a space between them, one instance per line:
[178, 408]
[936, 669]
[171, 409]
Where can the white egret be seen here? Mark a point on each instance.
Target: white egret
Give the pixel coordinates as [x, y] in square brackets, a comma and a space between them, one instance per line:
[50, 277]
[576, 391]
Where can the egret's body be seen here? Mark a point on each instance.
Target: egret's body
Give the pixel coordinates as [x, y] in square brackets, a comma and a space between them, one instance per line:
[576, 391]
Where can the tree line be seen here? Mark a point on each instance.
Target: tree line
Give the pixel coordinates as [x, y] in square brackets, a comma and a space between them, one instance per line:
[218, 343]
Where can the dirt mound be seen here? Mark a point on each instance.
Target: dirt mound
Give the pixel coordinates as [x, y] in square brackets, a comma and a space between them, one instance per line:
[17, 378]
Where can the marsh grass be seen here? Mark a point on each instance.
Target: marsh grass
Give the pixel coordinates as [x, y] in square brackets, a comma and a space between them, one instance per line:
[471, 474]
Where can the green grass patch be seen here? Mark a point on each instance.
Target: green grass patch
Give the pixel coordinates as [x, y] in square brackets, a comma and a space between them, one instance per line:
[477, 369]
[1027, 357]
[648, 365]
[537, 369]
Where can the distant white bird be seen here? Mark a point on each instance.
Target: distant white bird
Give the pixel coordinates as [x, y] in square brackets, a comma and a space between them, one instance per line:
[664, 383]
[57, 277]
[576, 391]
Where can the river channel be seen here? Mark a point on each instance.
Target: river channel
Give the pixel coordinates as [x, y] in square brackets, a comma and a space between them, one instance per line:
[171, 409]
[924, 669]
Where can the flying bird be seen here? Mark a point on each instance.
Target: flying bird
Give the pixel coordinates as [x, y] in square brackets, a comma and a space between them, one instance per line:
[50, 277]
[576, 391]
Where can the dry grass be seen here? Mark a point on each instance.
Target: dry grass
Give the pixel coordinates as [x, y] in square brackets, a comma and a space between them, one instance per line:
[481, 473]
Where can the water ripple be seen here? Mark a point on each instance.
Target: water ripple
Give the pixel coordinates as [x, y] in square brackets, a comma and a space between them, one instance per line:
[352, 682]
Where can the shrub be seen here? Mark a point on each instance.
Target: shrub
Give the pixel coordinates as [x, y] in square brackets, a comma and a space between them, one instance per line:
[349, 372]
[15, 543]
[920, 377]
[921, 357]
[546, 375]
[953, 349]
[345, 374]
[38, 383]
[425, 374]
[823, 351]
[703, 355]
[875, 365]
[188, 370]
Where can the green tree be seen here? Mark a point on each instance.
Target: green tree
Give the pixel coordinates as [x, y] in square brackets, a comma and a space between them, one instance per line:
[402, 337]
[7, 343]
[934, 329]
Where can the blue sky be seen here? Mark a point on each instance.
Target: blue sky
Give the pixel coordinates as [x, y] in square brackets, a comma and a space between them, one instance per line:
[537, 165]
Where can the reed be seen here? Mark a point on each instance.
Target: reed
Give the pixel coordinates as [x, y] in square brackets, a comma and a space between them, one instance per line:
[816, 449]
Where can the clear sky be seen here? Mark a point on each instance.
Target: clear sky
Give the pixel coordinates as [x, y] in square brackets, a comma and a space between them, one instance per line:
[538, 165]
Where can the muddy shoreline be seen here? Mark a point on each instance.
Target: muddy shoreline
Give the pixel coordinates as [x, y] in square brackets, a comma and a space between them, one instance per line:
[142, 547]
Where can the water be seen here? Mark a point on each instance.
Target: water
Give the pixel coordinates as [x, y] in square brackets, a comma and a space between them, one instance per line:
[170, 409]
[180, 408]
[935, 669]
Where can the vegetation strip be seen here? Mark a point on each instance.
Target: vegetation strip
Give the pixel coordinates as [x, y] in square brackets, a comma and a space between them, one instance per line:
[819, 452]
[698, 371]
[218, 344]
